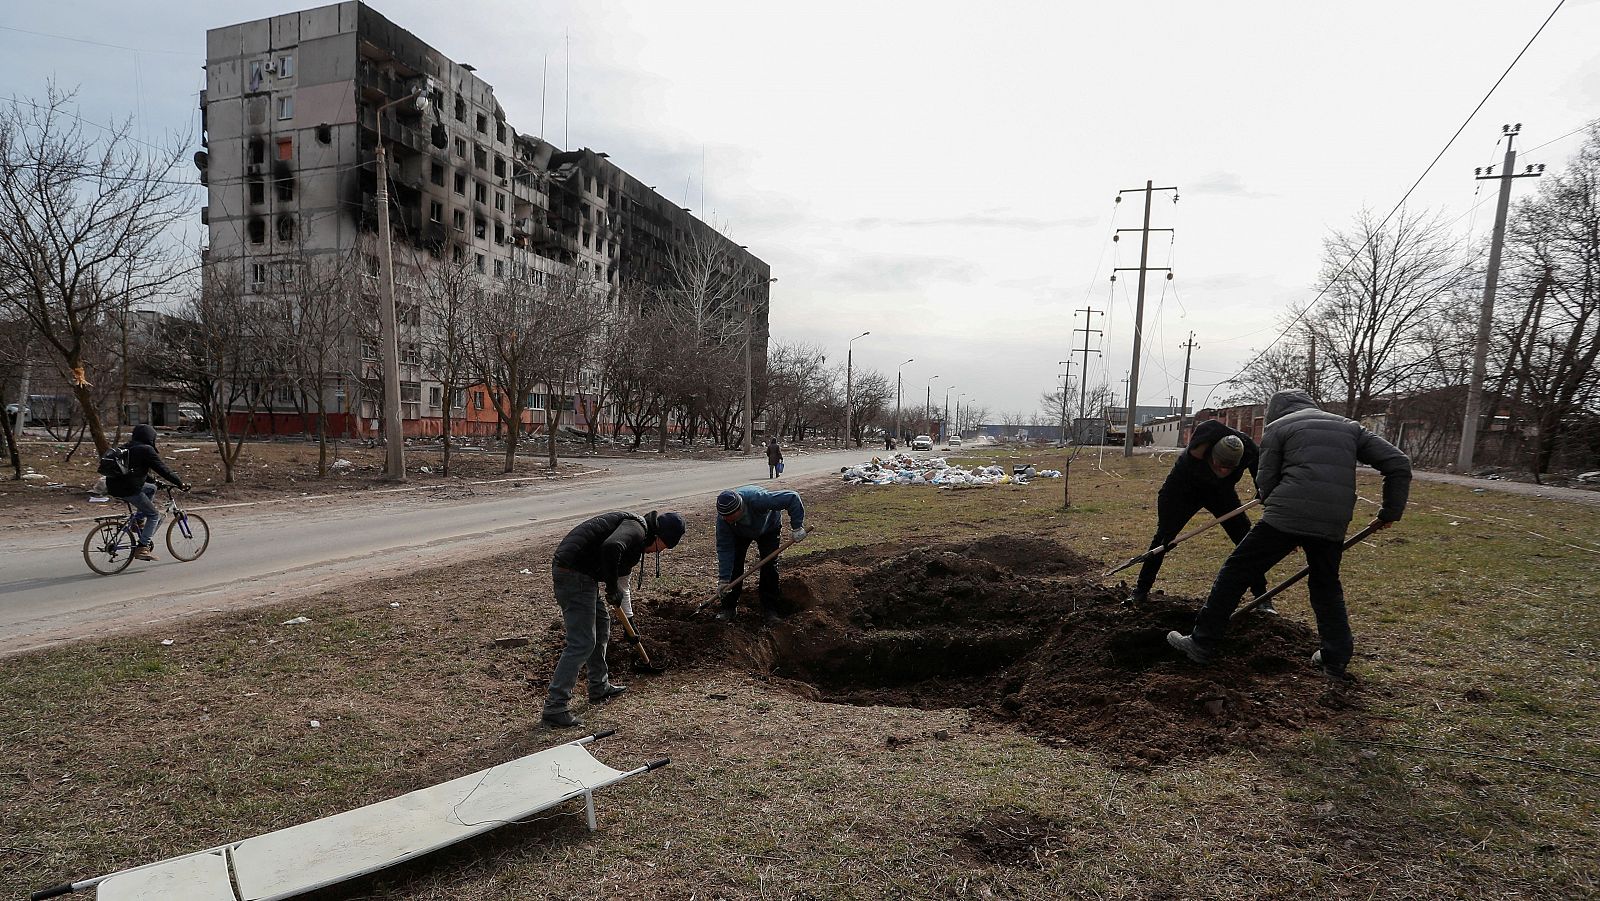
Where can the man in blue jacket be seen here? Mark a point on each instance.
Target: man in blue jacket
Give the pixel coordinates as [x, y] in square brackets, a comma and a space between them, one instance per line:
[1307, 482]
[754, 514]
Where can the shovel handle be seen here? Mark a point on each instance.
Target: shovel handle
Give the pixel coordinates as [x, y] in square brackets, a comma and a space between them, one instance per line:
[1350, 542]
[1158, 551]
[633, 637]
[788, 543]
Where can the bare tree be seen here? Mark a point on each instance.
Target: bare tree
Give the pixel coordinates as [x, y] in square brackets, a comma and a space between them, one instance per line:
[83, 223]
[505, 350]
[310, 324]
[450, 294]
[1381, 281]
[569, 312]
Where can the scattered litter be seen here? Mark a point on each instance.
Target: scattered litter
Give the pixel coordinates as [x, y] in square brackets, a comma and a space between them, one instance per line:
[1455, 522]
[906, 469]
[32, 477]
[1589, 476]
[99, 500]
[315, 724]
[514, 641]
[527, 572]
[426, 469]
[185, 450]
[297, 621]
[342, 465]
[166, 641]
[395, 604]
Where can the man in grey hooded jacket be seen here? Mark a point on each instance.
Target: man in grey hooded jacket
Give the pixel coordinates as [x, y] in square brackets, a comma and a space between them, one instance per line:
[1307, 482]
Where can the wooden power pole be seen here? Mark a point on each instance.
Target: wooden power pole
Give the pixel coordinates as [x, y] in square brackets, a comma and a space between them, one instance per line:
[1132, 400]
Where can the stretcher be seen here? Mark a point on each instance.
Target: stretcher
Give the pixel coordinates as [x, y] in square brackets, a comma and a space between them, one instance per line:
[309, 856]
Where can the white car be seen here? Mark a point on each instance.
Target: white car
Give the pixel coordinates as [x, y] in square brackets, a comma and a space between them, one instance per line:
[922, 443]
[955, 441]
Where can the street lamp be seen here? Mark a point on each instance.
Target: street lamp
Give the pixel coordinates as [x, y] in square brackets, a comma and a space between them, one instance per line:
[958, 413]
[393, 429]
[927, 406]
[899, 434]
[944, 424]
[749, 409]
[848, 395]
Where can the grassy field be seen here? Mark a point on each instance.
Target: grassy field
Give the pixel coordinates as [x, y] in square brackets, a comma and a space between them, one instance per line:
[1478, 628]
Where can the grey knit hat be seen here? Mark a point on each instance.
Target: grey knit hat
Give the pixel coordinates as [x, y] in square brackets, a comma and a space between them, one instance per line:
[1228, 451]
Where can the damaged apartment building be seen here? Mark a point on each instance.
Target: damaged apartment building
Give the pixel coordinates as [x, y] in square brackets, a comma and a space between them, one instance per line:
[290, 131]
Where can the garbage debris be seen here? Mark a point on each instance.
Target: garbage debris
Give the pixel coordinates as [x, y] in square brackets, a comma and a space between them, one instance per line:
[297, 621]
[342, 465]
[907, 469]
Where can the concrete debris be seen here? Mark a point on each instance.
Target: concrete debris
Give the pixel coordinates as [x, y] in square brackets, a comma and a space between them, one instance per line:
[515, 641]
[907, 469]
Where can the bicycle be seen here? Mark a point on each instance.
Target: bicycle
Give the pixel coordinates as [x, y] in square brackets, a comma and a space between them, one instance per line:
[109, 546]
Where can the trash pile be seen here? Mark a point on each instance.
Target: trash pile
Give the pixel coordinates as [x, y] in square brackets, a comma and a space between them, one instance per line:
[906, 469]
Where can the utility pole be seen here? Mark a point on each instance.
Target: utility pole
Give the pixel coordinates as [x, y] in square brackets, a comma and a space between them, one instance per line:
[1183, 405]
[394, 467]
[1083, 374]
[1480, 356]
[1132, 400]
[899, 433]
[849, 399]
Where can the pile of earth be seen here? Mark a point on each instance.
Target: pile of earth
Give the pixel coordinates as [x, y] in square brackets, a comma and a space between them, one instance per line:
[1014, 628]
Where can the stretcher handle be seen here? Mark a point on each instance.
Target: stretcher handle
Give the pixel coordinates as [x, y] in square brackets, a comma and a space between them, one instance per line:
[657, 764]
[604, 733]
[64, 888]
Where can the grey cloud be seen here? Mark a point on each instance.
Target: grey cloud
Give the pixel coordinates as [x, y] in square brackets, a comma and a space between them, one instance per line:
[975, 220]
[1225, 183]
[886, 273]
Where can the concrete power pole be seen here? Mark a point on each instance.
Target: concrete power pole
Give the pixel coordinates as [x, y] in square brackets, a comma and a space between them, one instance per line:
[1480, 356]
[1083, 373]
[1183, 405]
[1132, 400]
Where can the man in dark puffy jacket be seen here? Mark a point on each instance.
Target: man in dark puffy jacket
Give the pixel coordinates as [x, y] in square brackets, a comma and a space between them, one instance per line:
[599, 551]
[130, 486]
[1307, 482]
[1204, 476]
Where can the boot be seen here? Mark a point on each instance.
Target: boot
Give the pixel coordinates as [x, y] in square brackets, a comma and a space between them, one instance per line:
[726, 612]
[560, 719]
[606, 694]
[1266, 607]
[143, 552]
[1138, 597]
[1189, 648]
[1339, 677]
[770, 617]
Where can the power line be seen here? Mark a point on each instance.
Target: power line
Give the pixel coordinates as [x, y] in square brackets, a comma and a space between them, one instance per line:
[62, 37]
[1371, 233]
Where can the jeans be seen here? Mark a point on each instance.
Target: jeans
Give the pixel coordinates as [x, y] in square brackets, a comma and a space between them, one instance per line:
[1174, 509]
[150, 515]
[1256, 554]
[768, 590]
[588, 626]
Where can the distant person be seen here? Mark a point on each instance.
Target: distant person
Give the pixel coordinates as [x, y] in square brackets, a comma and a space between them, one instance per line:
[753, 514]
[132, 487]
[1307, 483]
[888, 442]
[774, 458]
[600, 551]
[1204, 477]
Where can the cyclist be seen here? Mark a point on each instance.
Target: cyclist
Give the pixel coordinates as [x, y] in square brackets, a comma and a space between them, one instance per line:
[132, 487]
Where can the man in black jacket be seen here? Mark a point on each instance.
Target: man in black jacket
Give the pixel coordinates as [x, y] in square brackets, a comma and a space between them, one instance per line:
[601, 550]
[1204, 476]
[130, 486]
[1307, 482]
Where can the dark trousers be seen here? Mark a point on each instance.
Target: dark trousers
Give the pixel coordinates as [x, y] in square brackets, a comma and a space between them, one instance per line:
[1260, 551]
[1174, 509]
[587, 622]
[768, 590]
[772, 469]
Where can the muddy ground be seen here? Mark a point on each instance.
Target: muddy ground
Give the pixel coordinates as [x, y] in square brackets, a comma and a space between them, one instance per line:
[1015, 629]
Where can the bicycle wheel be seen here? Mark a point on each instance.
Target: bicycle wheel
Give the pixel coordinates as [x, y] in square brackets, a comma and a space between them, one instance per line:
[108, 549]
[188, 536]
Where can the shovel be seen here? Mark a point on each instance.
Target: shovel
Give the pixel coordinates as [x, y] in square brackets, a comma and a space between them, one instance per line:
[746, 574]
[643, 664]
[1158, 551]
[1348, 544]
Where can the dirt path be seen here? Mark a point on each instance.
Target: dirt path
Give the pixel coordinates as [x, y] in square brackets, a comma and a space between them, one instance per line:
[1526, 489]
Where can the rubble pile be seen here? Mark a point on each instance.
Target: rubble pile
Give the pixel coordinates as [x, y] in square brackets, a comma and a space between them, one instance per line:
[906, 469]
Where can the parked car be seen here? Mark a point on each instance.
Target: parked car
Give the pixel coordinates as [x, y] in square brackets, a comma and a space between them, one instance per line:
[955, 441]
[922, 443]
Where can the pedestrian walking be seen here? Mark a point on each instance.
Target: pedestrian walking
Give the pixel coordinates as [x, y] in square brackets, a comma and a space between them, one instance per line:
[774, 458]
[1307, 483]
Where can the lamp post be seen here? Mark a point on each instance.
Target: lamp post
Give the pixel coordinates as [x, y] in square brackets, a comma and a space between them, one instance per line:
[958, 412]
[749, 409]
[394, 467]
[899, 434]
[944, 424]
[849, 358]
[927, 406]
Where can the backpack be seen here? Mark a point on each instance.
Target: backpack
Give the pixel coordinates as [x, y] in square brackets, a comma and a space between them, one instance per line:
[114, 462]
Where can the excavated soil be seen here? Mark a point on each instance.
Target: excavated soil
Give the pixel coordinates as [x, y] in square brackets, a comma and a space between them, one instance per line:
[1015, 629]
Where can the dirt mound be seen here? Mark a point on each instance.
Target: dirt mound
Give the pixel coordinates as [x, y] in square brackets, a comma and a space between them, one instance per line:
[1015, 629]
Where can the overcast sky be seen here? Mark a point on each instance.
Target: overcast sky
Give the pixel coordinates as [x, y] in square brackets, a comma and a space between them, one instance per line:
[943, 174]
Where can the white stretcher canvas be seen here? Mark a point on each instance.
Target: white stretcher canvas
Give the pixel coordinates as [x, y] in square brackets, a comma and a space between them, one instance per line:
[198, 877]
[311, 855]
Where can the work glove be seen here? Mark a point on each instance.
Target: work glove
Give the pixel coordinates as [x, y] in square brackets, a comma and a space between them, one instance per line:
[798, 535]
[722, 587]
[626, 602]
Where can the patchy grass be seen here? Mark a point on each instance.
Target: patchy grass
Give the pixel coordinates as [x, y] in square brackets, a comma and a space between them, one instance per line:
[1477, 618]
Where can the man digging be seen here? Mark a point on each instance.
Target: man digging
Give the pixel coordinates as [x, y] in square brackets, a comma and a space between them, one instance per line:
[1307, 482]
[1204, 476]
[599, 550]
[754, 514]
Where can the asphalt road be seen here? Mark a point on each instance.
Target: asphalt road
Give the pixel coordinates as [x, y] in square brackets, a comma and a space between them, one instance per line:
[266, 554]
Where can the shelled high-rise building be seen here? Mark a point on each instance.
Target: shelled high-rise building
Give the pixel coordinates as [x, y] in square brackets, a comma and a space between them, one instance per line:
[289, 124]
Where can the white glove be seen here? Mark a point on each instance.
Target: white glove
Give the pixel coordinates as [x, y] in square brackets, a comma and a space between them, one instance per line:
[722, 587]
[798, 535]
[627, 602]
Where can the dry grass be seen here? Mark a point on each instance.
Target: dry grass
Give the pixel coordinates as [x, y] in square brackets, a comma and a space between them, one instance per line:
[1481, 634]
